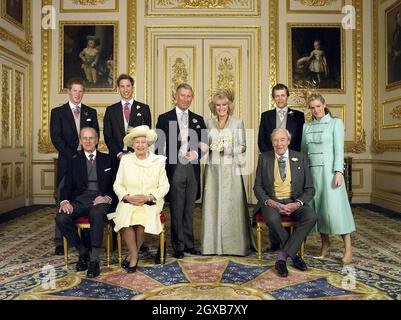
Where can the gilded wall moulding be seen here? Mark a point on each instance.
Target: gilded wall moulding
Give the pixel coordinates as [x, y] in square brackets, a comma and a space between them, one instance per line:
[89, 2]
[81, 6]
[315, 6]
[316, 3]
[44, 143]
[226, 76]
[203, 7]
[6, 192]
[6, 107]
[18, 109]
[23, 26]
[396, 112]
[180, 75]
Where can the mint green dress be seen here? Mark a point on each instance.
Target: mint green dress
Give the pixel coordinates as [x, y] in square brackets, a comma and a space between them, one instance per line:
[323, 143]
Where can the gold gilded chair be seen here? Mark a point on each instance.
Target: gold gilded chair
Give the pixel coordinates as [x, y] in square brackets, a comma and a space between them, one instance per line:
[83, 223]
[161, 242]
[286, 222]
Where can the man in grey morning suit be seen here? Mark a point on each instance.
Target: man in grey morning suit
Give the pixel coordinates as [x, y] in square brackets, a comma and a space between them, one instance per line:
[182, 136]
[284, 187]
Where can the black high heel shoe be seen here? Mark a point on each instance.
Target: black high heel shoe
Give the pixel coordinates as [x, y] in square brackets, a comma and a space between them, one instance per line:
[125, 263]
[132, 269]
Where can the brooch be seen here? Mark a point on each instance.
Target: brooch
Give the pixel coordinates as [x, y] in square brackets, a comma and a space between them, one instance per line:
[194, 121]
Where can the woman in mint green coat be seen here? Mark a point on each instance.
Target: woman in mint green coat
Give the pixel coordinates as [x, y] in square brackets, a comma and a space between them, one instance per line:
[323, 143]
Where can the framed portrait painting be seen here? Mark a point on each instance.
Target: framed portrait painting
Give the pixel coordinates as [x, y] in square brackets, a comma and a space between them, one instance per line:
[13, 11]
[89, 51]
[393, 46]
[316, 56]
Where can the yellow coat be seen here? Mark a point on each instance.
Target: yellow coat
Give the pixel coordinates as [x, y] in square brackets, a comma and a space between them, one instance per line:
[137, 176]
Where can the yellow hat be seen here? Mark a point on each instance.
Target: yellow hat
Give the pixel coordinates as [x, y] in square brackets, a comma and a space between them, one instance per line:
[140, 131]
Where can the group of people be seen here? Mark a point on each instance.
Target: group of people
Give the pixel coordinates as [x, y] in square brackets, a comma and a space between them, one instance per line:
[130, 184]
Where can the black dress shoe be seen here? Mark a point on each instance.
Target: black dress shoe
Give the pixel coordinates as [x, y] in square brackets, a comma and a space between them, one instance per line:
[193, 252]
[281, 267]
[144, 248]
[299, 263]
[93, 269]
[59, 251]
[125, 263]
[82, 263]
[178, 255]
[133, 269]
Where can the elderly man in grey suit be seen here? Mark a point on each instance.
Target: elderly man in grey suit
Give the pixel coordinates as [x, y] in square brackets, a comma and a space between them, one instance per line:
[284, 187]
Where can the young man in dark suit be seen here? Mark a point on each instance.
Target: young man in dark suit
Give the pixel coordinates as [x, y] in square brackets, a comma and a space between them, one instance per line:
[181, 136]
[280, 117]
[87, 191]
[66, 122]
[118, 118]
[284, 187]
[126, 113]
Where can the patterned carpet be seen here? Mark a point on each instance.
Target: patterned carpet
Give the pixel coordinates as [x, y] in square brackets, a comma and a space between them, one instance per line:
[27, 260]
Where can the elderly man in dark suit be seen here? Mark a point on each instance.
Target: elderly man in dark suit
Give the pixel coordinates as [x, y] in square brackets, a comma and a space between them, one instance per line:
[127, 113]
[181, 134]
[284, 186]
[88, 190]
[66, 122]
[280, 117]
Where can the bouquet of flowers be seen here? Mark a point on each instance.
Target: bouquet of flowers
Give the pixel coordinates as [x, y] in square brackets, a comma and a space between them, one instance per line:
[222, 144]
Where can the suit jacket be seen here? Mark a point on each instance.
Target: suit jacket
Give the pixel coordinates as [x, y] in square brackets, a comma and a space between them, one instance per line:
[301, 179]
[76, 181]
[173, 145]
[295, 123]
[64, 136]
[113, 124]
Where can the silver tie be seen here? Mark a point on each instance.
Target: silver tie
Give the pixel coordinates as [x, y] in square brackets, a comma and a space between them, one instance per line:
[281, 167]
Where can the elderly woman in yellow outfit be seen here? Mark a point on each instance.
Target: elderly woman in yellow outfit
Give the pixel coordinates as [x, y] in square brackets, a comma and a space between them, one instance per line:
[140, 185]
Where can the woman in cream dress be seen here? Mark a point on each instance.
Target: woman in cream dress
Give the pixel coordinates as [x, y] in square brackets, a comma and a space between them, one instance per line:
[226, 227]
[140, 186]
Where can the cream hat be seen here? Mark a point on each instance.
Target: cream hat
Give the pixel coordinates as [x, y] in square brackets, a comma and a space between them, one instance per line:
[140, 131]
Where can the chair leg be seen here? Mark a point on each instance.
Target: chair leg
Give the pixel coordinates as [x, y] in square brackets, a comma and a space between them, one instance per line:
[259, 232]
[161, 239]
[108, 243]
[65, 245]
[302, 250]
[119, 248]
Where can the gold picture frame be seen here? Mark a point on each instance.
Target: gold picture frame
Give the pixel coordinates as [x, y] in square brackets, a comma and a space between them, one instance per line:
[316, 55]
[393, 46]
[89, 50]
[18, 15]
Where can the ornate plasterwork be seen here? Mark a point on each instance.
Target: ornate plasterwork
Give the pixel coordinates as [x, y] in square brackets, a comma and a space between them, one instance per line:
[316, 3]
[88, 2]
[203, 4]
[396, 112]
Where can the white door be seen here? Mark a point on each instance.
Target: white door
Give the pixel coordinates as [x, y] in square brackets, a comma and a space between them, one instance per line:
[14, 84]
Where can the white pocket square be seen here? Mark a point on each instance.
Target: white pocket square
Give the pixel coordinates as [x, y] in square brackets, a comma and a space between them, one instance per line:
[139, 114]
[89, 119]
[108, 169]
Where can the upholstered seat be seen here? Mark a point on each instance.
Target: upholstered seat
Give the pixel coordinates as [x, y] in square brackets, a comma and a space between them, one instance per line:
[286, 222]
[83, 223]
